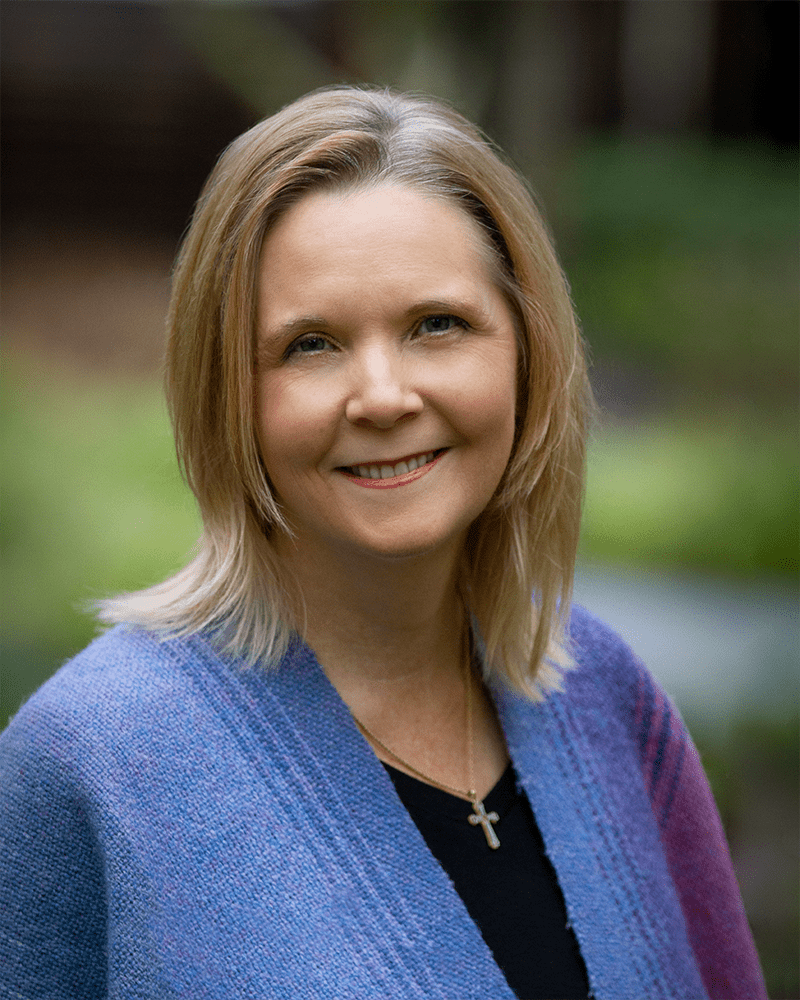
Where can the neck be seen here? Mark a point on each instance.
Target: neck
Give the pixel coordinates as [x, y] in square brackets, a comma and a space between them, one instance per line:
[389, 634]
[379, 619]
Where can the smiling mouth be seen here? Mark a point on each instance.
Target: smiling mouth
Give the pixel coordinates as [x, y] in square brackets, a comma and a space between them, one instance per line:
[384, 470]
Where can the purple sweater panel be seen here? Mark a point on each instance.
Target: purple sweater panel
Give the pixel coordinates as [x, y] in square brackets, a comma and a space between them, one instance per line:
[695, 848]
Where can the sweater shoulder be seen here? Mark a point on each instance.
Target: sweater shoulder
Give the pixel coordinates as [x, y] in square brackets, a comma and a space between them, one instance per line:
[594, 641]
[615, 689]
[122, 673]
[602, 657]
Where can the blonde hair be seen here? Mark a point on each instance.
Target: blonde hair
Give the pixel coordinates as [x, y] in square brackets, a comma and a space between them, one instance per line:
[518, 567]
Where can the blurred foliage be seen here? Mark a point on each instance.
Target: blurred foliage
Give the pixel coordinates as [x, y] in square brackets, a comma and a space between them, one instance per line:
[93, 504]
[683, 262]
[714, 491]
[683, 259]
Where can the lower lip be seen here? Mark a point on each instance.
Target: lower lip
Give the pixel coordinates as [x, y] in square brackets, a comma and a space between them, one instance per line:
[394, 481]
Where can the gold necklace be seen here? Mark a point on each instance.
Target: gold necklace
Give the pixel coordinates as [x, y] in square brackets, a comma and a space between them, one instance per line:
[479, 814]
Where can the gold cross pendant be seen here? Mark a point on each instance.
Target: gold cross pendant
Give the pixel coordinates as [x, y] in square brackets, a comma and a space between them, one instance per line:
[486, 820]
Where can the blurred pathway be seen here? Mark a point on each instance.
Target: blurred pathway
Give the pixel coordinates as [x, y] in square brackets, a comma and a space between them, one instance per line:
[715, 646]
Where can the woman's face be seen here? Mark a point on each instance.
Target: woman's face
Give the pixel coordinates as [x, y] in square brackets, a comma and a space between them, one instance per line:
[386, 379]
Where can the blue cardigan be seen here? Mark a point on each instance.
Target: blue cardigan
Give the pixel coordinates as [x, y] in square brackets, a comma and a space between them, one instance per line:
[175, 825]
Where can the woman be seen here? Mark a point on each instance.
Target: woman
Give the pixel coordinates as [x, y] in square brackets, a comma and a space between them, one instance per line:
[342, 754]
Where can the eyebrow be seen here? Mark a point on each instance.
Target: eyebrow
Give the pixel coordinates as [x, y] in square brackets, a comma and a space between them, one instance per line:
[293, 326]
[302, 324]
[444, 306]
[270, 343]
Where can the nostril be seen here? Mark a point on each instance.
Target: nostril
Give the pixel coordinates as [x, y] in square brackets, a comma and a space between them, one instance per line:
[383, 407]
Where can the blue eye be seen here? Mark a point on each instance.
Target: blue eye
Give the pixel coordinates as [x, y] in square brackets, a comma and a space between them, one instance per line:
[440, 324]
[310, 344]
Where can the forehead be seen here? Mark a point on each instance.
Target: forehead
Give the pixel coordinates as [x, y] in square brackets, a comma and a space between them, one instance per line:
[389, 204]
[387, 237]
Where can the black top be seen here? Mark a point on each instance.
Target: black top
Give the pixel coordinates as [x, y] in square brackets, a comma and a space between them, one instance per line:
[511, 893]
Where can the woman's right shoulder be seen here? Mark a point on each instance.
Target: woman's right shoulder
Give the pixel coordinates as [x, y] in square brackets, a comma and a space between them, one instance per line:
[125, 672]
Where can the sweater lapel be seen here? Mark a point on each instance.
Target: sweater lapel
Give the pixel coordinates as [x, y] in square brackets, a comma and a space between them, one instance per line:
[608, 858]
[414, 925]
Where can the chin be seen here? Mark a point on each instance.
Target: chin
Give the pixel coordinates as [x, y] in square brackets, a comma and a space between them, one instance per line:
[400, 553]
[412, 546]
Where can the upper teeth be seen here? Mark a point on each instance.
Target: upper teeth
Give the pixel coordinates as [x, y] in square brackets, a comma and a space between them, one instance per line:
[387, 471]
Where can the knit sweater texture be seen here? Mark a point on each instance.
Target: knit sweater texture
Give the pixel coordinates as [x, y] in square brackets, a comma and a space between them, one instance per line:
[174, 824]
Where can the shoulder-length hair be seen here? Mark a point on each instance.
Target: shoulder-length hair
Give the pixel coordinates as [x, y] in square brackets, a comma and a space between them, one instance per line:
[518, 567]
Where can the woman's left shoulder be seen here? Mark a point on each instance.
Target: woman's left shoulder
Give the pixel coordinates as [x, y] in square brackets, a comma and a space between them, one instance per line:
[593, 643]
[610, 691]
[603, 660]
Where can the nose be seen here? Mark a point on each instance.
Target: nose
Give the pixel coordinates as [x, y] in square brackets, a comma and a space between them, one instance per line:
[382, 391]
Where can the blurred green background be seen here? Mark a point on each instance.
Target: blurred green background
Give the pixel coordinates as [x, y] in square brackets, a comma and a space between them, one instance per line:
[660, 143]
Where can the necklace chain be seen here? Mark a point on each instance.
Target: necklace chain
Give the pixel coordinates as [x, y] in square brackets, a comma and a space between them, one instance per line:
[469, 794]
[479, 814]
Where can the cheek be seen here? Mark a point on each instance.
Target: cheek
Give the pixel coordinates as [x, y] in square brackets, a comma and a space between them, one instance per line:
[486, 394]
[278, 416]
[294, 424]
